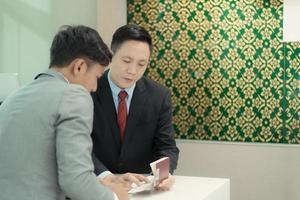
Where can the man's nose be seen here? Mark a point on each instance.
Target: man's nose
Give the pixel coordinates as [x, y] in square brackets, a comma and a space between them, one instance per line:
[132, 69]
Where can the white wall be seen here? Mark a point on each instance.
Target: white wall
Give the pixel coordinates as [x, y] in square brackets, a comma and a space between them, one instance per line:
[256, 171]
[291, 16]
[111, 15]
[27, 28]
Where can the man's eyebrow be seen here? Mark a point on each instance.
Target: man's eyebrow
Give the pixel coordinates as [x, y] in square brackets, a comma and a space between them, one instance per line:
[127, 57]
[143, 60]
[140, 60]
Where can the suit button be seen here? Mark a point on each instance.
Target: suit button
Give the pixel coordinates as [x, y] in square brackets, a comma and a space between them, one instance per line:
[121, 164]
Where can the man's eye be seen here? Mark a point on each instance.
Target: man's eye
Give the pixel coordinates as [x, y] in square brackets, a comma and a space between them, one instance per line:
[142, 64]
[126, 61]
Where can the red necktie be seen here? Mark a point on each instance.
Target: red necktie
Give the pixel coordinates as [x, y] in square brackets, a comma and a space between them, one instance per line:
[122, 113]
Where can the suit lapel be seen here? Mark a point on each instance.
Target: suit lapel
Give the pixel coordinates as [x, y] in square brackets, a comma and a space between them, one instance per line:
[135, 111]
[108, 107]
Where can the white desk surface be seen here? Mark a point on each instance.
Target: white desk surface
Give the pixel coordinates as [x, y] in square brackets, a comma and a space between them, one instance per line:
[190, 187]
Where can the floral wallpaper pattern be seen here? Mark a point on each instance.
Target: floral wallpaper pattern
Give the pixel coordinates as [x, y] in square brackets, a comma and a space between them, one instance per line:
[231, 76]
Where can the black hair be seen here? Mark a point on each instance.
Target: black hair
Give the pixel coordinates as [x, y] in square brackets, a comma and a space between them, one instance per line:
[130, 32]
[73, 42]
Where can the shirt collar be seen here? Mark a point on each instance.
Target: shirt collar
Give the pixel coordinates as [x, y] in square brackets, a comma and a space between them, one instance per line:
[55, 73]
[116, 90]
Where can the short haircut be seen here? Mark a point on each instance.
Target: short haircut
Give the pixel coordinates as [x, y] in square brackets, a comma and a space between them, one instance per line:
[73, 42]
[130, 32]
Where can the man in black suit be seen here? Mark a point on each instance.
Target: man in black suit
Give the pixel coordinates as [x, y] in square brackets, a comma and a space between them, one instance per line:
[132, 131]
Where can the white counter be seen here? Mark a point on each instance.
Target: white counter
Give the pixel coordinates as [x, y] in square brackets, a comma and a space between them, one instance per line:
[189, 187]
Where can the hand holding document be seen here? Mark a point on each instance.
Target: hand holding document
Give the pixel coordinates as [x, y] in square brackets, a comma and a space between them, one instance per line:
[166, 184]
[116, 187]
[126, 180]
[161, 178]
[160, 169]
[145, 186]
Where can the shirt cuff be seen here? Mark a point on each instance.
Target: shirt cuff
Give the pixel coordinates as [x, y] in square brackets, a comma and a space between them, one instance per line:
[115, 197]
[104, 174]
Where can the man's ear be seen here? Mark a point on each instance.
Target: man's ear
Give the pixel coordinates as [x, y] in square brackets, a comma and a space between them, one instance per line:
[79, 66]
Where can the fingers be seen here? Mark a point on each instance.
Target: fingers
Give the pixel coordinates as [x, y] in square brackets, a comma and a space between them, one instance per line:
[109, 179]
[134, 178]
[119, 187]
[126, 181]
[166, 184]
[115, 180]
[140, 177]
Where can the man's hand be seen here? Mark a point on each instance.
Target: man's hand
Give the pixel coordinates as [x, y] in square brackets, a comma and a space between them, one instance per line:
[130, 178]
[125, 180]
[166, 184]
[119, 189]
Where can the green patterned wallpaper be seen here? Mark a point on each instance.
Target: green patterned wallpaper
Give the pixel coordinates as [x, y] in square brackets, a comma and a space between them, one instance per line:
[231, 77]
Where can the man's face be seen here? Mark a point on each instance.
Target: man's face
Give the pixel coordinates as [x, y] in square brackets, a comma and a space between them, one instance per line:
[91, 75]
[129, 63]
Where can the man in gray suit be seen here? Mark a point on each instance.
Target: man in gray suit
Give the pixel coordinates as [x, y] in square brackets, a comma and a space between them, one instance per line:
[45, 144]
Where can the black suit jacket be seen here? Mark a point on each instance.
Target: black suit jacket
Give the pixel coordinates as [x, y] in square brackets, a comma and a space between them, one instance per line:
[149, 133]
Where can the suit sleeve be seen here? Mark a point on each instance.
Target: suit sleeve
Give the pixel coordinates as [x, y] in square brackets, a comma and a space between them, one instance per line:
[99, 166]
[164, 141]
[74, 146]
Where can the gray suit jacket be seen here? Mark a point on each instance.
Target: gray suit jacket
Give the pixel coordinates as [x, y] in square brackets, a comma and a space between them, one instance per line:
[45, 144]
